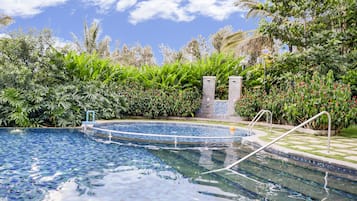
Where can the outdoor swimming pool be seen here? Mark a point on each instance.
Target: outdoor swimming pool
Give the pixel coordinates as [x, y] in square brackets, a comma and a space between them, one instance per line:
[65, 164]
[172, 133]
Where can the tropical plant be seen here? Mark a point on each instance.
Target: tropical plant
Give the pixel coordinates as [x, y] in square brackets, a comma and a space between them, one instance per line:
[305, 97]
[91, 43]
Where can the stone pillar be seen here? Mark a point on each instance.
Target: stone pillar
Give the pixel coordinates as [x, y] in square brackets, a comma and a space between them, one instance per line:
[234, 93]
[207, 104]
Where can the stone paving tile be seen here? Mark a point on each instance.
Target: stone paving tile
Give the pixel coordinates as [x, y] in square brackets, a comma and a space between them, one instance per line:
[351, 144]
[296, 142]
[341, 145]
[349, 152]
[322, 147]
[331, 152]
[303, 147]
[282, 143]
[308, 139]
[351, 158]
[315, 141]
[345, 139]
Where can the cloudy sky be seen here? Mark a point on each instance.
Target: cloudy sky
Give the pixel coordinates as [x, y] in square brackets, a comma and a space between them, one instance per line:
[148, 22]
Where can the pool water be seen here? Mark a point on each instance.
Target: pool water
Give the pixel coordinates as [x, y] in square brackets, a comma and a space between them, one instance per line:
[65, 164]
[173, 129]
[182, 134]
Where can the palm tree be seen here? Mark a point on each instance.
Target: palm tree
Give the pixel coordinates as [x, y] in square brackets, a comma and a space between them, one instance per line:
[256, 8]
[91, 35]
[90, 40]
[248, 42]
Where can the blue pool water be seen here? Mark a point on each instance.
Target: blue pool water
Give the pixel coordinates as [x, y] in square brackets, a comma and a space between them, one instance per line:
[164, 132]
[65, 164]
[183, 129]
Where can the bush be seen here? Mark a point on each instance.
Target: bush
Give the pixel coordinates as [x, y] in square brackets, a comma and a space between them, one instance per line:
[304, 99]
[249, 104]
[154, 103]
[62, 105]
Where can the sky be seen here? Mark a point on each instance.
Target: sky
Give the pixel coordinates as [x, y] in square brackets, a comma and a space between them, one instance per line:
[147, 22]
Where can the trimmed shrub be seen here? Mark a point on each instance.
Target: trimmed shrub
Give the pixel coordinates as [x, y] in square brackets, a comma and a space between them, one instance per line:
[155, 103]
[249, 104]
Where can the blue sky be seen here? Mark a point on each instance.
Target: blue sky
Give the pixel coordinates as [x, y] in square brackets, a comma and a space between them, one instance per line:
[149, 22]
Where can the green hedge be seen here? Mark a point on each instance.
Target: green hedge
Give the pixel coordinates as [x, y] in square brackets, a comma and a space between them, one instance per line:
[304, 99]
[154, 103]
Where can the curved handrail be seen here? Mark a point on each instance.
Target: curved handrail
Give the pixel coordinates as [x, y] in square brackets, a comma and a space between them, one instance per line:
[258, 116]
[278, 138]
[163, 135]
[175, 137]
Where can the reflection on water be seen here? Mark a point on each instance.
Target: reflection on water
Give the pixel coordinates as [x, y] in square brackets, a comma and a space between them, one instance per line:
[66, 165]
[130, 183]
[261, 177]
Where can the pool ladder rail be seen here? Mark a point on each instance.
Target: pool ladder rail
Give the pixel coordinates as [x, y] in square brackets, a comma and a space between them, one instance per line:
[277, 139]
[89, 121]
[257, 118]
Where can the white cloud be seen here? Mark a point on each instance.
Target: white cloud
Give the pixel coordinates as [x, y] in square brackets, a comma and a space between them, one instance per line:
[216, 9]
[26, 7]
[3, 35]
[139, 11]
[179, 10]
[122, 5]
[159, 9]
[103, 5]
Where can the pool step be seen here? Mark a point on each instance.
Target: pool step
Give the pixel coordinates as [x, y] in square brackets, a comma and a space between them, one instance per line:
[226, 180]
[264, 173]
[299, 172]
[193, 170]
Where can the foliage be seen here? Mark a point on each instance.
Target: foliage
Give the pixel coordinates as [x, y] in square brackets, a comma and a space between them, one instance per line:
[90, 42]
[307, 96]
[253, 76]
[320, 34]
[62, 105]
[137, 56]
[249, 104]
[154, 103]
[87, 67]
[39, 89]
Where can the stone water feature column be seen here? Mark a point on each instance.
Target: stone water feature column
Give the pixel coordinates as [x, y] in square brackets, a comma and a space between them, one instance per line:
[207, 104]
[234, 92]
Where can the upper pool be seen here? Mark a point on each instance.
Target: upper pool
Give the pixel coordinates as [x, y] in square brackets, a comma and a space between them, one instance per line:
[65, 164]
[181, 134]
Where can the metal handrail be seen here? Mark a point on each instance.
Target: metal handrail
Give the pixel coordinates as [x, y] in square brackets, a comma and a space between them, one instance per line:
[88, 113]
[258, 116]
[278, 138]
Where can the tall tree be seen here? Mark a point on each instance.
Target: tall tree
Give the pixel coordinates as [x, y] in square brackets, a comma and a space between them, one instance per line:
[137, 56]
[91, 43]
[218, 38]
